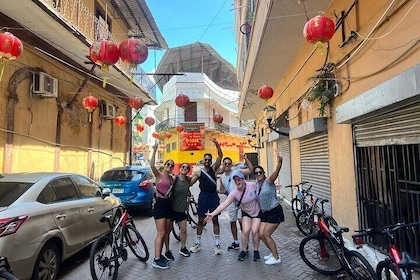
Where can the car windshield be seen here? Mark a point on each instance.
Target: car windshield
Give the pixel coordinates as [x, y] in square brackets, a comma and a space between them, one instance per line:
[10, 191]
[120, 175]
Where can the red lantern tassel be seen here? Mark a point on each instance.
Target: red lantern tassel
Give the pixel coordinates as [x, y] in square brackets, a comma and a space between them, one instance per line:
[3, 63]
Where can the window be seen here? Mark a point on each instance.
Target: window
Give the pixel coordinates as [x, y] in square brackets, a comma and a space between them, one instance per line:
[64, 189]
[9, 192]
[87, 187]
[190, 114]
[47, 195]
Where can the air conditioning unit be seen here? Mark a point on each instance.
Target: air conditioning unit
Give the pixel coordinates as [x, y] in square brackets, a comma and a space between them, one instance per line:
[44, 85]
[107, 110]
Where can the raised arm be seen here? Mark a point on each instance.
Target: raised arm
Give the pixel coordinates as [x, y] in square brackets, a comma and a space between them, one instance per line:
[153, 161]
[250, 169]
[275, 174]
[194, 177]
[218, 161]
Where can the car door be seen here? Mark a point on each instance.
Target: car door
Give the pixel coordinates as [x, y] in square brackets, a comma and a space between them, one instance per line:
[91, 197]
[69, 213]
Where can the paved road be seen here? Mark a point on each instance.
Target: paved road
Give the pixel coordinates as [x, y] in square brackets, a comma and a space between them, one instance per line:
[204, 264]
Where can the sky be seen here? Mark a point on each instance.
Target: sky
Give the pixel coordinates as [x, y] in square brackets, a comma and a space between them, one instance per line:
[183, 22]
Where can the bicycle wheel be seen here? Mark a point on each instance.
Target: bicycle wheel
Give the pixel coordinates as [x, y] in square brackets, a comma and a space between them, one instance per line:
[386, 270]
[305, 222]
[193, 212]
[298, 206]
[359, 269]
[103, 260]
[7, 276]
[318, 253]
[175, 231]
[136, 243]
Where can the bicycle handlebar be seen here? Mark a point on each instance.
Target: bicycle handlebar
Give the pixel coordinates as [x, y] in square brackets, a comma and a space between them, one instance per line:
[121, 205]
[388, 230]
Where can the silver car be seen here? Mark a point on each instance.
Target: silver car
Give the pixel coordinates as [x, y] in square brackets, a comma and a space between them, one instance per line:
[47, 217]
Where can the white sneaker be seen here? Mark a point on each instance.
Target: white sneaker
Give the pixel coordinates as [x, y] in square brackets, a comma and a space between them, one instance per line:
[268, 257]
[195, 248]
[272, 261]
[217, 250]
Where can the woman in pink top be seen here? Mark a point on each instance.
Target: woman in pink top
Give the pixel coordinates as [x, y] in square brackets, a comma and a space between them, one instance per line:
[162, 210]
[245, 197]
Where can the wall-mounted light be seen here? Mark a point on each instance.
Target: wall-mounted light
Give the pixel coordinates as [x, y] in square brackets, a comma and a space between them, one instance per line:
[251, 137]
[270, 112]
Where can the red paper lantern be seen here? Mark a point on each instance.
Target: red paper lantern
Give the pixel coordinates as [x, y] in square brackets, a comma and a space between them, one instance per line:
[120, 120]
[133, 51]
[90, 103]
[180, 128]
[168, 134]
[218, 118]
[140, 127]
[136, 103]
[319, 29]
[155, 135]
[265, 92]
[182, 100]
[149, 121]
[104, 53]
[10, 48]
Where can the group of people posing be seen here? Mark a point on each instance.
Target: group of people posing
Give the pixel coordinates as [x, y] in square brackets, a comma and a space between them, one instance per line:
[253, 204]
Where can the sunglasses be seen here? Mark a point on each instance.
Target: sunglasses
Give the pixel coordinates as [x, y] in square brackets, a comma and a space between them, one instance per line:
[185, 167]
[207, 159]
[171, 165]
[258, 172]
[227, 164]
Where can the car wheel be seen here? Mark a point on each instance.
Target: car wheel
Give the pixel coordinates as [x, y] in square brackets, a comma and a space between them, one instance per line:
[47, 263]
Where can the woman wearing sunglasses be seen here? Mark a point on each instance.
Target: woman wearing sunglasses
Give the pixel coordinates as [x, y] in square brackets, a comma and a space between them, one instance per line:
[246, 198]
[162, 212]
[271, 211]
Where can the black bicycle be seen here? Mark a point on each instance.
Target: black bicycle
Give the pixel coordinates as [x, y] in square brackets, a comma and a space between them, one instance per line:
[306, 220]
[325, 252]
[6, 272]
[108, 250]
[192, 216]
[299, 202]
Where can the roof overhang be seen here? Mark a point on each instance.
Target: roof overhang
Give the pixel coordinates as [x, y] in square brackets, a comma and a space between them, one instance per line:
[276, 38]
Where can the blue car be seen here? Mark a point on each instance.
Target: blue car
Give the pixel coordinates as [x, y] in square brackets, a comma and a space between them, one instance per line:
[126, 181]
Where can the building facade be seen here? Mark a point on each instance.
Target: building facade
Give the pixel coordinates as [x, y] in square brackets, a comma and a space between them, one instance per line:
[44, 125]
[350, 105]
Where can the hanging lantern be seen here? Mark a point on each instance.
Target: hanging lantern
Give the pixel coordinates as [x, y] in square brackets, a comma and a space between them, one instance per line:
[180, 128]
[133, 51]
[90, 103]
[136, 103]
[120, 120]
[218, 118]
[104, 53]
[149, 121]
[10, 49]
[319, 29]
[155, 135]
[140, 127]
[182, 100]
[265, 92]
[168, 134]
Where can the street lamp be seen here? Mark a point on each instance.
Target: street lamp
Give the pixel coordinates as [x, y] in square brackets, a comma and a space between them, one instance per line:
[270, 112]
[250, 138]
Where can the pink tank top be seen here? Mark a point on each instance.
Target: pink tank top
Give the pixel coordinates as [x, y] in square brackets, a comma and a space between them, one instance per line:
[162, 187]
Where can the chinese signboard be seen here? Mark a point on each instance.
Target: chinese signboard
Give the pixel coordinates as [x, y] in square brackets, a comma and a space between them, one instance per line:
[192, 138]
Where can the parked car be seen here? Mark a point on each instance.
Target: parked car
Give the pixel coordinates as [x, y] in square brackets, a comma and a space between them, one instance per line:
[126, 181]
[47, 217]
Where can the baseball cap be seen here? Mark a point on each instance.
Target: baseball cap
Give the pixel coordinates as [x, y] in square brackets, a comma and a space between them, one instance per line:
[238, 174]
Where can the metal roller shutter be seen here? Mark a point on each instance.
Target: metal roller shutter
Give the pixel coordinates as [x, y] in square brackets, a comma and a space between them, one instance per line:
[315, 167]
[285, 177]
[397, 127]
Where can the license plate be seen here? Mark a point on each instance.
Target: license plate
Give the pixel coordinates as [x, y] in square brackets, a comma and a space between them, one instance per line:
[118, 191]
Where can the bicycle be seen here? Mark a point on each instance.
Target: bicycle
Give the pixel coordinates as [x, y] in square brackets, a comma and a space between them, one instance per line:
[192, 218]
[299, 202]
[109, 249]
[306, 221]
[325, 253]
[5, 270]
[397, 265]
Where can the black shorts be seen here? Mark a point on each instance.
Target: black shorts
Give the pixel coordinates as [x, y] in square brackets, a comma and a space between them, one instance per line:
[162, 209]
[245, 214]
[207, 202]
[178, 216]
[273, 216]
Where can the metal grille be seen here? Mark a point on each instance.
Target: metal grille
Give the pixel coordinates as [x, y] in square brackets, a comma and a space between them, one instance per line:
[388, 186]
[315, 166]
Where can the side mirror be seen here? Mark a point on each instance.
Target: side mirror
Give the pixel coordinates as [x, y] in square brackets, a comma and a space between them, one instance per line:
[106, 192]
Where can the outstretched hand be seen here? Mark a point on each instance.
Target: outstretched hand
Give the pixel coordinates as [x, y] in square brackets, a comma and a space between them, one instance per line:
[208, 217]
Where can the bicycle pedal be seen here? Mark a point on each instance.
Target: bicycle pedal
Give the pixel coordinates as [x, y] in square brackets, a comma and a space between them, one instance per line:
[124, 254]
[342, 276]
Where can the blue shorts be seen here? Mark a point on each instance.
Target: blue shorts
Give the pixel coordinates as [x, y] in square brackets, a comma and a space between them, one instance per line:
[162, 209]
[273, 216]
[207, 202]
